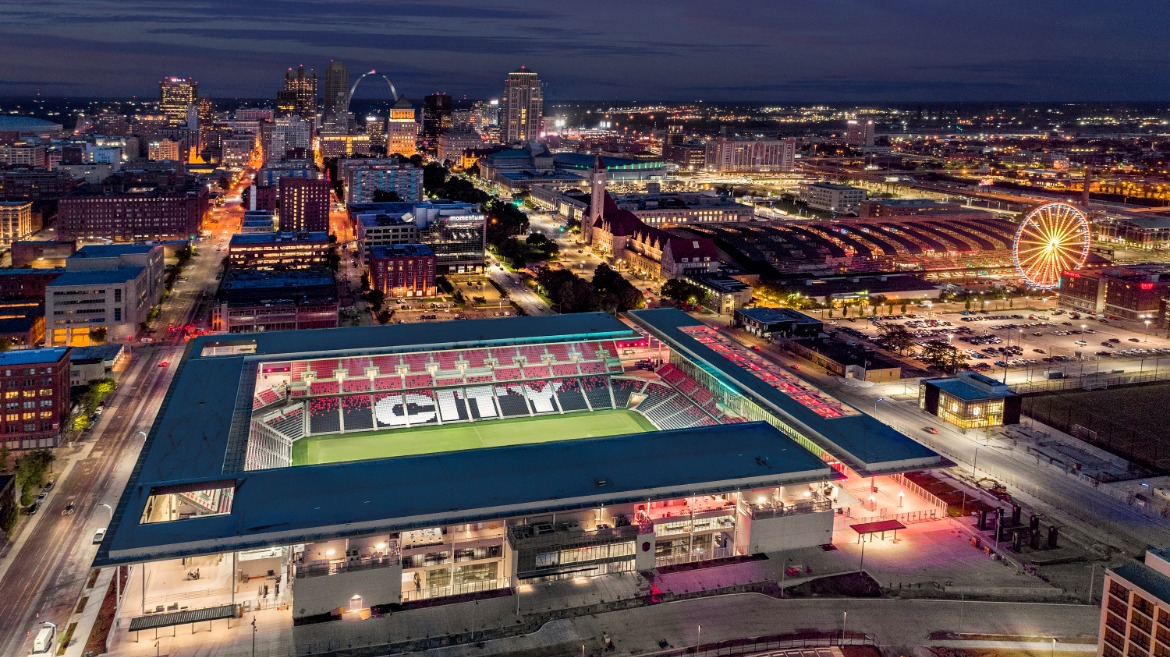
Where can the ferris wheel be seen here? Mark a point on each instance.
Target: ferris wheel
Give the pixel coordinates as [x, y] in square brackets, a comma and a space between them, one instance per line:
[1052, 239]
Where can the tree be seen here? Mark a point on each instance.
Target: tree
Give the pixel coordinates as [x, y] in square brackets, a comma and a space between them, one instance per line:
[386, 196]
[365, 281]
[896, 337]
[504, 220]
[333, 260]
[98, 334]
[682, 291]
[8, 517]
[5, 454]
[31, 472]
[903, 307]
[943, 355]
[376, 299]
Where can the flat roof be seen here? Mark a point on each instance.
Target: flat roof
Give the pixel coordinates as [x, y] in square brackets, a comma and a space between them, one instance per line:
[771, 315]
[1148, 579]
[241, 239]
[862, 442]
[295, 504]
[32, 356]
[964, 390]
[111, 250]
[98, 277]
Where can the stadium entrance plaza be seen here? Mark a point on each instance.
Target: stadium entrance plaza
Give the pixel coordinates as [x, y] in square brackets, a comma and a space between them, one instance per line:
[926, 556]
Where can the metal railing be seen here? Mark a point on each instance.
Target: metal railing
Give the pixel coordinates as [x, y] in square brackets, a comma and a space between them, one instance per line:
[324, 568]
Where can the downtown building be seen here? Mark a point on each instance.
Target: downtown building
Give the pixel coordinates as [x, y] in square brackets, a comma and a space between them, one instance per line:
[452, 145]
[35, 383]
[304, 205]
[175, 96]
[401, 129]
[725, 155]
[108, 289]
[403, 271]
[436, 117]
[16, 222]
[1135, 608]
[298, 95]
[268, 251]
[832, 197]
[150, 214]
[249, 300]
[454, 231]
[521, 107]
[363, 177]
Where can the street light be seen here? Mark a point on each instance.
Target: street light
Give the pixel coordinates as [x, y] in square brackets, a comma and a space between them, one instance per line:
[875, 403]
[975, 462]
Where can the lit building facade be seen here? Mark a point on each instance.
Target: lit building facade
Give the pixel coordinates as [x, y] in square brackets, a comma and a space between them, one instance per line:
[304, 205]
[403, 270]
[521, 107]
[970, 401]
[750, 155]
[35, 384]
[266, 251]
[1135, 608]
[402, 130]
[299, 94]
[175, 96]
[363, 177]
[16, 219]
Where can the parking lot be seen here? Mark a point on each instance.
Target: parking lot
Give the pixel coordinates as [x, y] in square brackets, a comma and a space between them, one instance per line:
[1023, 339]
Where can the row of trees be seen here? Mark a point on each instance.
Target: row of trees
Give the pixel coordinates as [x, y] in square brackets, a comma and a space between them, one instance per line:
[608, 291]
[684, 292]
[536, 247]
[936, 353]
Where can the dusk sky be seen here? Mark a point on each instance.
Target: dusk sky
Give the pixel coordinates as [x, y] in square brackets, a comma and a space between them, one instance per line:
[765, 50]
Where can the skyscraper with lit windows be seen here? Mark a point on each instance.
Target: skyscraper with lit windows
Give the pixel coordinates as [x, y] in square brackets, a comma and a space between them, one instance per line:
[175, 95]
[336, 89]
[521, 106]
[299, 95]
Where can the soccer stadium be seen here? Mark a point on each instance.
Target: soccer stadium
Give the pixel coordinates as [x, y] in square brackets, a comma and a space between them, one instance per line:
[345, 472]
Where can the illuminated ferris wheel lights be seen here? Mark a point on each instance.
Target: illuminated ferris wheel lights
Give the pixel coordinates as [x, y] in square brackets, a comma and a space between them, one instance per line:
[1052, 239]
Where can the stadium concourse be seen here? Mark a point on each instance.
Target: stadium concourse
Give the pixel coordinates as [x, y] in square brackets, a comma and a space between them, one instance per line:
[342, 473]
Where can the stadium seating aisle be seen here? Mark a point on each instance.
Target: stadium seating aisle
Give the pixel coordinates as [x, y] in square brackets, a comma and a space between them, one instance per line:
[290, 423]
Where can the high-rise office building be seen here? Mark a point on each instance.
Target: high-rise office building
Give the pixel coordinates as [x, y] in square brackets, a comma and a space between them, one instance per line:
[402, 129]
[174, 96]
[304, 205]
[299, 95]
[521, 106]
[859, 132]
[436, 116]
[336, 89]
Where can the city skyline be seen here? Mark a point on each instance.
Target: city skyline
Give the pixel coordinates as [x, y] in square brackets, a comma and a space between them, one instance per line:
[1041, 51]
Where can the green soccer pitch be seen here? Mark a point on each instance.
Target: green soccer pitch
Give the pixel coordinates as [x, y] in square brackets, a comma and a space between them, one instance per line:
[387, 443]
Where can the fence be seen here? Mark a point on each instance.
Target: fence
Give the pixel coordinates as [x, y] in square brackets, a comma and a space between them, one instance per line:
[1128, 440]
[1092, 375]
[776, 642]
[930, 497]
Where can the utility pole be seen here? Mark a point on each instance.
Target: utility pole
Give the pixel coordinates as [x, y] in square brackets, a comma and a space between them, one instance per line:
[253, 636]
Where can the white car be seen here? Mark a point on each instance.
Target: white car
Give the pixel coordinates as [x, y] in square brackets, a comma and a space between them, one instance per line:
[99, 535]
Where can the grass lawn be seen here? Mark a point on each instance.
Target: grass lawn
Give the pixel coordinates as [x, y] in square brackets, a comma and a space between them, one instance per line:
[385, 443]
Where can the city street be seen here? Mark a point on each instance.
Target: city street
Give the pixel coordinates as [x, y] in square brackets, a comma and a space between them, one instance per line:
[47, 567]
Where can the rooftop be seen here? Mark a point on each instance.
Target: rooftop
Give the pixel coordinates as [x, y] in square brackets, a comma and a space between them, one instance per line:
[272, 507]
[972, 386]
[31, 356]
[111, 250]
[1146, 578]
[835, 186]
[239, 279]
[100, 352]
[99, 277]
[587, 161]
[400, 250]
[773, 315]
[862, 442]
[244, 239]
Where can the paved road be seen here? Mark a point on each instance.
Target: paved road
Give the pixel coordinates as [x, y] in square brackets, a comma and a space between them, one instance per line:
[517, 291]
[45, 572]
[43, 577]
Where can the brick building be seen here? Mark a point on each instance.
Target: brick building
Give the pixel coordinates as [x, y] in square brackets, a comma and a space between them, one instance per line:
[35, 383]
[150, 215]
[403, 270]
[304, 205]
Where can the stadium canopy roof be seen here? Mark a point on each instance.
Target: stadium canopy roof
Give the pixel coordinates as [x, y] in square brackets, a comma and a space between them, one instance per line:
[309, 503]
[858, 440]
